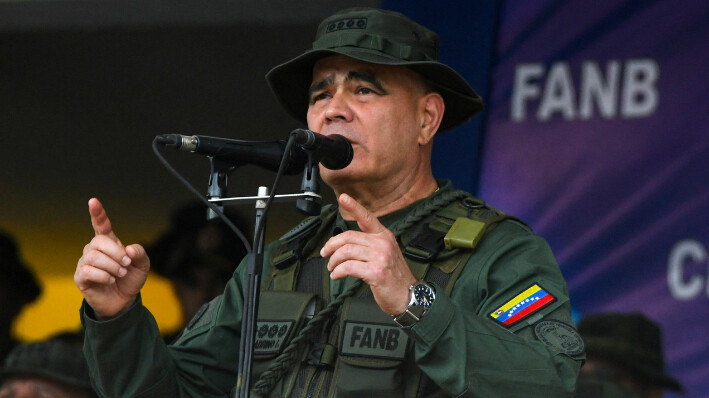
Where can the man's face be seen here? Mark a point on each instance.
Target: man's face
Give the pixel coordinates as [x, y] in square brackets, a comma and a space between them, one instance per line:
[33, 387]
[376, 107]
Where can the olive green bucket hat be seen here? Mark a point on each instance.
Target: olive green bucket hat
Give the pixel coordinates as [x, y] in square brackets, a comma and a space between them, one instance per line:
[378, 37]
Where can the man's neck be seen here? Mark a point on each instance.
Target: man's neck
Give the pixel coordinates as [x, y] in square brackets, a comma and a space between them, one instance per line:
[386, 198]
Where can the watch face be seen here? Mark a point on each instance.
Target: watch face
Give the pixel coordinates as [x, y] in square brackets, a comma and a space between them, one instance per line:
[424, 295]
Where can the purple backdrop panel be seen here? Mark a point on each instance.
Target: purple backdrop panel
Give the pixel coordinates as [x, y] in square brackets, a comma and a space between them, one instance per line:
[598, 137]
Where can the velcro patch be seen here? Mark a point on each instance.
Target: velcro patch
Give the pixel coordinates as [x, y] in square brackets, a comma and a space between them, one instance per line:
[348, 23]
[271, 336]
[560, 336]
[522, 305]
[373, 340]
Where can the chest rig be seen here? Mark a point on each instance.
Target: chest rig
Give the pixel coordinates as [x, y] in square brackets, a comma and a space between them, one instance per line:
[346, 346]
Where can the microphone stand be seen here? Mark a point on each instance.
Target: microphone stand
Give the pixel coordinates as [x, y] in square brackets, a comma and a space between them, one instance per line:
[308, 203]
[251, 296]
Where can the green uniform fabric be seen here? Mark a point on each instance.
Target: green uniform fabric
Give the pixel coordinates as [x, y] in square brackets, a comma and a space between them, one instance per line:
[456, 345]
[591, 388]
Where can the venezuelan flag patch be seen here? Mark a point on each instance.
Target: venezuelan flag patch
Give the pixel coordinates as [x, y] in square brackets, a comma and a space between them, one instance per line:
[523, 305]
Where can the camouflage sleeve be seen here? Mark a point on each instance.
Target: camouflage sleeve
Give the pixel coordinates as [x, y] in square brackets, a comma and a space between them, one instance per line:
[506, 329]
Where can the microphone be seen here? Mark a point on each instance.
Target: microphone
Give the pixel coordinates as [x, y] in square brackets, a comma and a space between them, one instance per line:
[267, 154]
[332, 151]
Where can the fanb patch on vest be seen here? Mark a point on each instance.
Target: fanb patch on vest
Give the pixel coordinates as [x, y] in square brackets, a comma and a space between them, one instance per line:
[373, 340]
[522, 305]
[271, 336]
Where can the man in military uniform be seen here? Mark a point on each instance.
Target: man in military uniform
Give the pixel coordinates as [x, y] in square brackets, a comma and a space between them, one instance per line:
[406, 288]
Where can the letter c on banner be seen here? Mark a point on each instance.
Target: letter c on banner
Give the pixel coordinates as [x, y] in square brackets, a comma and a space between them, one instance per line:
[681, 252]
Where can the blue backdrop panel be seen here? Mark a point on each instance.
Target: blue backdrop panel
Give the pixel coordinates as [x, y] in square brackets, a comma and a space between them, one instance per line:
[598, 137]
[466, 30]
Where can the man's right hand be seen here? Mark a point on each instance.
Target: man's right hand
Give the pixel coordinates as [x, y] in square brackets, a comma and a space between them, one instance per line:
[109, 275]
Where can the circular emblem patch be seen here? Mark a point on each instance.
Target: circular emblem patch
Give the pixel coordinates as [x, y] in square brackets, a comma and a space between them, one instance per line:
[560, 336]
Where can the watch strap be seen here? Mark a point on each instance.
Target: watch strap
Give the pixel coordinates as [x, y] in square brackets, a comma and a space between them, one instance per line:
[414, 311]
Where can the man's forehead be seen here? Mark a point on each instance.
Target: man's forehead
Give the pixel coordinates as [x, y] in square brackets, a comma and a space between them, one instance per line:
[330, 69]
[340, 64]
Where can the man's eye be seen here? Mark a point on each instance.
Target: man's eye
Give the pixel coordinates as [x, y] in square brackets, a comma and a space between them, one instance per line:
[365, 90]
[317, 97]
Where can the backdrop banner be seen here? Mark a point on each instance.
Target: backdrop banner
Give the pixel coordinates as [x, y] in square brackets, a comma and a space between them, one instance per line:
[598, 136]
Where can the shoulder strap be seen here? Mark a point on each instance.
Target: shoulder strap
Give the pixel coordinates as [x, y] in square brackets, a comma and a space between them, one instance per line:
[460, 225]
[440, 245]
[291, 247]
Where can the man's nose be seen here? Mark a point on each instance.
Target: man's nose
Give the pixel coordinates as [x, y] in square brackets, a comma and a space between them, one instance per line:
[338, 109]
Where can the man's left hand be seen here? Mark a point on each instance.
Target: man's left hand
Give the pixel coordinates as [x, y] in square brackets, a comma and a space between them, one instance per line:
[372, 255]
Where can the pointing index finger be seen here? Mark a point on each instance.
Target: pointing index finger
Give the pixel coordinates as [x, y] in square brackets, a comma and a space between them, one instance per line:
[100, 221]
[365, 219]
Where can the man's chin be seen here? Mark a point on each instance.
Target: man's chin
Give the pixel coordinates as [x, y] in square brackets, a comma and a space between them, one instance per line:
[338, 178]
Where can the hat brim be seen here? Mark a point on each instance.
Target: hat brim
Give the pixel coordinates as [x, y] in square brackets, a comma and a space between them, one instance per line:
[23, 371]
[290, 82]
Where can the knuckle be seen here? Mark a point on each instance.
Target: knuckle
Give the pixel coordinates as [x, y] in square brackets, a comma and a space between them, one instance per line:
[346, 236]
[378, 273]
[345, 267]
[91, 257]
[381, 258]
[390, 246]
[388, 234]
[367, 217]
[347, 250]
[84, 273]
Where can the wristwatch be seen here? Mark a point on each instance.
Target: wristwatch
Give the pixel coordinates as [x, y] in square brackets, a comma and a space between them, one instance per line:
[421, 296]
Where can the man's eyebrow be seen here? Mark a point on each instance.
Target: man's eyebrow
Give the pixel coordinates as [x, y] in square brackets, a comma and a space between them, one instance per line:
[321, 84]
[360, 75]
[367, 77]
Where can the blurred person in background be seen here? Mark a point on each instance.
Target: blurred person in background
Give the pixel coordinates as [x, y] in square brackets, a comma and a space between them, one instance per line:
[624, 358]
[54, 368]
[18, 287]
[197, 255]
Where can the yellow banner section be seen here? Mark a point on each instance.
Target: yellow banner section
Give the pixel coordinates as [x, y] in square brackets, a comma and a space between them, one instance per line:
[57, 309]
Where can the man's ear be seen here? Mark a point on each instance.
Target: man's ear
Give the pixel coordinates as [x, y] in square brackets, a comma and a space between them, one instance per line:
[432, 107]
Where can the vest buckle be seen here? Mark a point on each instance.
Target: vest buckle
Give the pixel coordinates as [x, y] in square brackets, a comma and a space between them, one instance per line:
[321, 355]
[425, 246]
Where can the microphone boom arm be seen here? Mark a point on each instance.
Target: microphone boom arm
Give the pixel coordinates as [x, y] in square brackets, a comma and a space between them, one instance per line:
[277, 198]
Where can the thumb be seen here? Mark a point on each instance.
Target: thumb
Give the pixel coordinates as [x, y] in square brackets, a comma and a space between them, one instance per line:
[139, 257]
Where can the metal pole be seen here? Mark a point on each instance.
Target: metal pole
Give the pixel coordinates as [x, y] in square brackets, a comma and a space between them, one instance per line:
[251, 295]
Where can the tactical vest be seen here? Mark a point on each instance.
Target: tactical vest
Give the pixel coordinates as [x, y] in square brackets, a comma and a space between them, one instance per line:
[357, 350]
